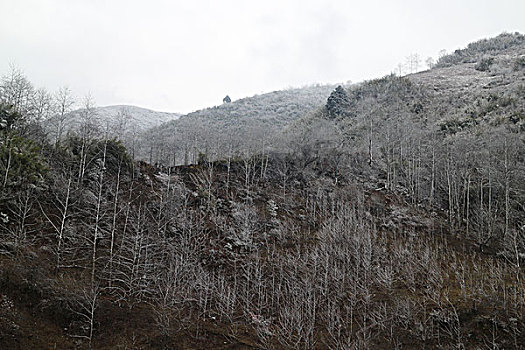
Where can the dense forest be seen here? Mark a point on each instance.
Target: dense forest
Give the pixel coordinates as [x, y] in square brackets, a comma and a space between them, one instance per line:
[387, 214]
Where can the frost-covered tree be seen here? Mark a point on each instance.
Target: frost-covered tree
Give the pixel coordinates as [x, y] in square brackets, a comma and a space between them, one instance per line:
[16, 91]
[63, 101]
[412, 62]
[430, 62]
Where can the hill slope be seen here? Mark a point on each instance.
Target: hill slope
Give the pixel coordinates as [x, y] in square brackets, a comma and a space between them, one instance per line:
[141, 118]
[120, 121]
[133, 117]
[231, 127]
[451, 138]
[392, 217]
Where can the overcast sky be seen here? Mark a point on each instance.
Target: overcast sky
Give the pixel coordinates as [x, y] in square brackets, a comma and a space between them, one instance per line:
[180, 56]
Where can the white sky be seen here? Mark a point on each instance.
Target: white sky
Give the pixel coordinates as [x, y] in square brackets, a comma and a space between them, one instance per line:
[180, 56]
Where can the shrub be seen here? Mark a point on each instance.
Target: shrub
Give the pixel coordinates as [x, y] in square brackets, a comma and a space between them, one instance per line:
[519, 64]
[484, 64]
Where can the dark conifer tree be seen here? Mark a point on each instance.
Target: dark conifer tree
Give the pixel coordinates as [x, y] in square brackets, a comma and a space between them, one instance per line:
[338, 103]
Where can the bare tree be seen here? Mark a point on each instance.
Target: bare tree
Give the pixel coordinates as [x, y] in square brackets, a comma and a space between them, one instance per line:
[17, 91]
[43, 106]
[63, 102]
[97, 230]
[17, 225]
[84, 306]
[430, 62]
[62, 202]
[412, 62]
[88, 128]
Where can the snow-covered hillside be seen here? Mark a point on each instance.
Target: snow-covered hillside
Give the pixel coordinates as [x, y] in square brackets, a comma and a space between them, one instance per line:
[135, 117]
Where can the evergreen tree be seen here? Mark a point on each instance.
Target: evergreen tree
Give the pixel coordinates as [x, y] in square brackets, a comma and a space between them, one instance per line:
[338, 103]
[9, 118]
[20, 160]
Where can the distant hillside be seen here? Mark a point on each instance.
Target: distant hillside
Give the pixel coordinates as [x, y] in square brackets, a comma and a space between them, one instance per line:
[123, 122]
[134, 117]
[225, 129]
